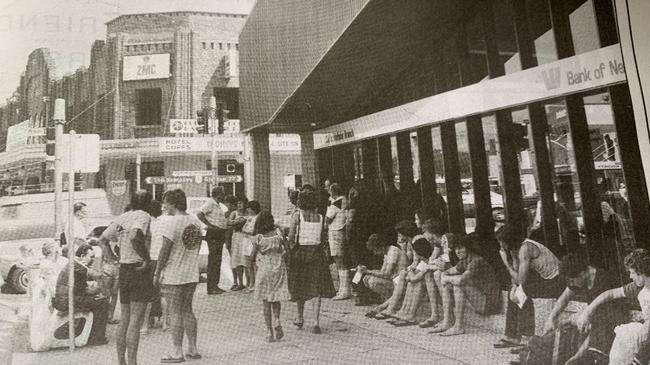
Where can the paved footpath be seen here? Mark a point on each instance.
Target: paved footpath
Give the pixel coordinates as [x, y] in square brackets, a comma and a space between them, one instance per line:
[231, 331]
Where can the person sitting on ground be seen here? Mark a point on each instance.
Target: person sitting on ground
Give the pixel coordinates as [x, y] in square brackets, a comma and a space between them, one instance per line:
[471, 280]
[406, 230]
[51, 265]
[381, 281]
[441, 259]
[534, 269]
[584, 283]
[86, 298]
[415, 285]
[631, 341]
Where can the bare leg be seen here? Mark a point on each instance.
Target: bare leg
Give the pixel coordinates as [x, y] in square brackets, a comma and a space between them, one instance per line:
[459, 310]
[276, 312]
[133, 332]
[177, 327]
[411, 301]
[316, 306]
[120, 341]
[432, 291]
[113, 298]
[145, 322]
[189, 323]
[300, 306]
[165, 313]
[447, 292]
[268, 319]
[390, 306]
[344, 291]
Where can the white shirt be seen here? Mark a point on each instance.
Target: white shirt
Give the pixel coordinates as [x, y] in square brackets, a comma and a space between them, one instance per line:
[336, 212]
[183, 264]
[79, 230]
[157, 227]
[215, 213]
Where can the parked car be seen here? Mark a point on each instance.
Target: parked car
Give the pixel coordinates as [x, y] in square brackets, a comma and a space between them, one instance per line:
[27, 221]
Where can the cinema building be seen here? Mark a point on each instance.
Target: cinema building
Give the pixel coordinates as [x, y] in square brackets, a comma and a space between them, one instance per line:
[511, 111]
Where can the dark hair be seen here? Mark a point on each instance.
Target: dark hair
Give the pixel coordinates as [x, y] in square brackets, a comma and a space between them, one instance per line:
[97, 231]
[307, 199]
[140, 200]
[406, 228]
[435, 226]
[230, 199]
[293, 197]
[218, 192]
[176, 198]
[639, 261]
[422, 247]
[511, 236]
[128, 208]
[78, 206]
[308, 187]
[242, 199]
[83, 249]
[376, 241]
[337, 189]
[455, 240]
[423, 214]
[155, 208]
[254, 205]
[264, 222]
[572, 264]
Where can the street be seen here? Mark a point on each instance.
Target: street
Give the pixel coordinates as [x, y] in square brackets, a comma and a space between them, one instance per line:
[231, 331]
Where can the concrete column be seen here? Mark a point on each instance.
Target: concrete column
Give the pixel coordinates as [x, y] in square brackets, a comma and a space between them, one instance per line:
[182, 101]
[310, 173]
[260, 169]
[118, 127]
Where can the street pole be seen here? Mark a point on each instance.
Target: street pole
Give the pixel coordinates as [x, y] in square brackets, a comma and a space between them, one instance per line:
[70, 240]
[212, 123]
[138, 162]
[59, 120]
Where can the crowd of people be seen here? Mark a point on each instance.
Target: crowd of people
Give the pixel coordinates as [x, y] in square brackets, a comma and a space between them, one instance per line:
[149, 254]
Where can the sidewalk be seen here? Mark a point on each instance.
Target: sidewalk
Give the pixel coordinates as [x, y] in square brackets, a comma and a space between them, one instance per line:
[231, 331]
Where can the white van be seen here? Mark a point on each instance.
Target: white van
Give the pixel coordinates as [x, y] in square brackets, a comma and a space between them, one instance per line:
[28, 221]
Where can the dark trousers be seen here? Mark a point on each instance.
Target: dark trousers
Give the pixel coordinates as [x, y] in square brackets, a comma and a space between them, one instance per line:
[521, 321]
[215, 239]
[98, 307]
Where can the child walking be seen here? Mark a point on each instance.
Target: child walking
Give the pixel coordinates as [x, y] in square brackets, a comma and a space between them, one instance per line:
[271, 279]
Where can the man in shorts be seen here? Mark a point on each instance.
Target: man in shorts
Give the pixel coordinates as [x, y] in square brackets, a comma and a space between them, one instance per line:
[336, 219]
[132, 232]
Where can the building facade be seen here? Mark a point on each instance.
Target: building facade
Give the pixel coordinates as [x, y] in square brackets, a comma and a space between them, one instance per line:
[513, 112]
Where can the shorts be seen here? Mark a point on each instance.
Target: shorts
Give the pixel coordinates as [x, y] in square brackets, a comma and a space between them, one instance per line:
[135, 285]
[336, 241]
[169, 291]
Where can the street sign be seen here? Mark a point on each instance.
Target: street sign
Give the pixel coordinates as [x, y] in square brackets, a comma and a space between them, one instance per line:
[192, 173]
[192, 179]
[85, 153]
[187, 126]
[201, 144]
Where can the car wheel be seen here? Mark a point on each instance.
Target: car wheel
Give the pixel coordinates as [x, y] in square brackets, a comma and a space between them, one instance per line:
[19, 280]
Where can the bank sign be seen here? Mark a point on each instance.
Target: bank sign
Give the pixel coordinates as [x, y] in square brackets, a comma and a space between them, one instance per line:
[146, 67]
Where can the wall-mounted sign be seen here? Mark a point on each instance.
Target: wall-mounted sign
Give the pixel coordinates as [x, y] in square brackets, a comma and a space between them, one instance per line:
[201, 144]
[118, 187]
[185, 126]
[284, 143]
[146, 67]
[22, 134]
[192, 179]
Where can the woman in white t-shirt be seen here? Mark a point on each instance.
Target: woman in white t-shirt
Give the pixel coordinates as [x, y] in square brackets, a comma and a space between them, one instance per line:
[177, 272]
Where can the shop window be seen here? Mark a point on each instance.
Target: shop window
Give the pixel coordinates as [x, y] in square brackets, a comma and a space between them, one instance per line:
[148, 106]
[465, 166]
[505, 35]
[438, 161]
[541, 31]
[476, 58]
[584, 30]
[495, 172]
[358, 162]
[609, 178]
[415, 156]
[523, 144]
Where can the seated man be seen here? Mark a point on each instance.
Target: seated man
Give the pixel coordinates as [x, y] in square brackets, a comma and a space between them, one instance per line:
[473, 280]
[631, 339]
[585, 283]
[85, 297]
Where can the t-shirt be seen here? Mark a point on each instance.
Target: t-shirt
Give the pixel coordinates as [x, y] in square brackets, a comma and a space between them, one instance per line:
[481, 274]
[215, 213]
[157, 225]
[80, 282]
[641, 294]
[124, 228]
[79, 230]
[183, 264]
[336, 211]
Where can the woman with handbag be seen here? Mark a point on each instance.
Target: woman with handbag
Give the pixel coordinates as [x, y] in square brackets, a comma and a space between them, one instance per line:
[309, 276]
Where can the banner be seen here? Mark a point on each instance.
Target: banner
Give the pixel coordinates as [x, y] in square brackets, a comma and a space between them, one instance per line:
[634, 32]
[146, 67]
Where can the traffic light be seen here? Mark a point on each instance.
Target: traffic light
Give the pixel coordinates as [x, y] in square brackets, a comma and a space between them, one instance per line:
[202, 120]
[50, 146]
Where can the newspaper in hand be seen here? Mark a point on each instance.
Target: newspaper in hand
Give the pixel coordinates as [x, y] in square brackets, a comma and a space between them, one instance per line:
[520, 296]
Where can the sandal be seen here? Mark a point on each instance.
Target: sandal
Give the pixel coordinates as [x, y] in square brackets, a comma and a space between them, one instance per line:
[278, 332]
[371, 314]
[298, 324]
[381, 316]
[270, 338]
[504, 344]
[402, 323]
[427, 324]
[316, 330]
[172, 360]
[194, 356]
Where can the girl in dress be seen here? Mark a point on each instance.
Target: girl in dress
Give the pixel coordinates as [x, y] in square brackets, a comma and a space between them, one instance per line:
[271, 287]
[248, 229]
[236, 221]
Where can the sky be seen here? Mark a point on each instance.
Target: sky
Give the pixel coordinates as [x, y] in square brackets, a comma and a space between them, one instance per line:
[69, 27]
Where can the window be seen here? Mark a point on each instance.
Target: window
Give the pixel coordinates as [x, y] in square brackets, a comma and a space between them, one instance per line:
[505, 36]
[203, 45]
[476, 60]
[465, 166]
[495, 172]
[438, 161]
[523, 144]
[148, 107]
[584, 30]
[211, 45]
[415, 156]
[541, 31]
[220, 46]
[395, 158]
[229, 97]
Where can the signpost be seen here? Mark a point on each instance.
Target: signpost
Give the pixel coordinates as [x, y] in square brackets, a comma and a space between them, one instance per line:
[197, 179]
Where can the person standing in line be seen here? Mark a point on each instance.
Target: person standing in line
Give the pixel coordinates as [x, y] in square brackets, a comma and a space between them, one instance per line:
[236, 222]
[158, 221]
[231, 204]
[177, 273]
[132, 231]
[79, 228]
[335, 220]
[271, 286]
[213, 215]
[248, 230]
[309, 276]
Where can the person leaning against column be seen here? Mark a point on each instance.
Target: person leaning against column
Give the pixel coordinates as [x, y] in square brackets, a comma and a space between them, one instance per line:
[309, 276]
[335, 220]
[213, 215]
[535, 269]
